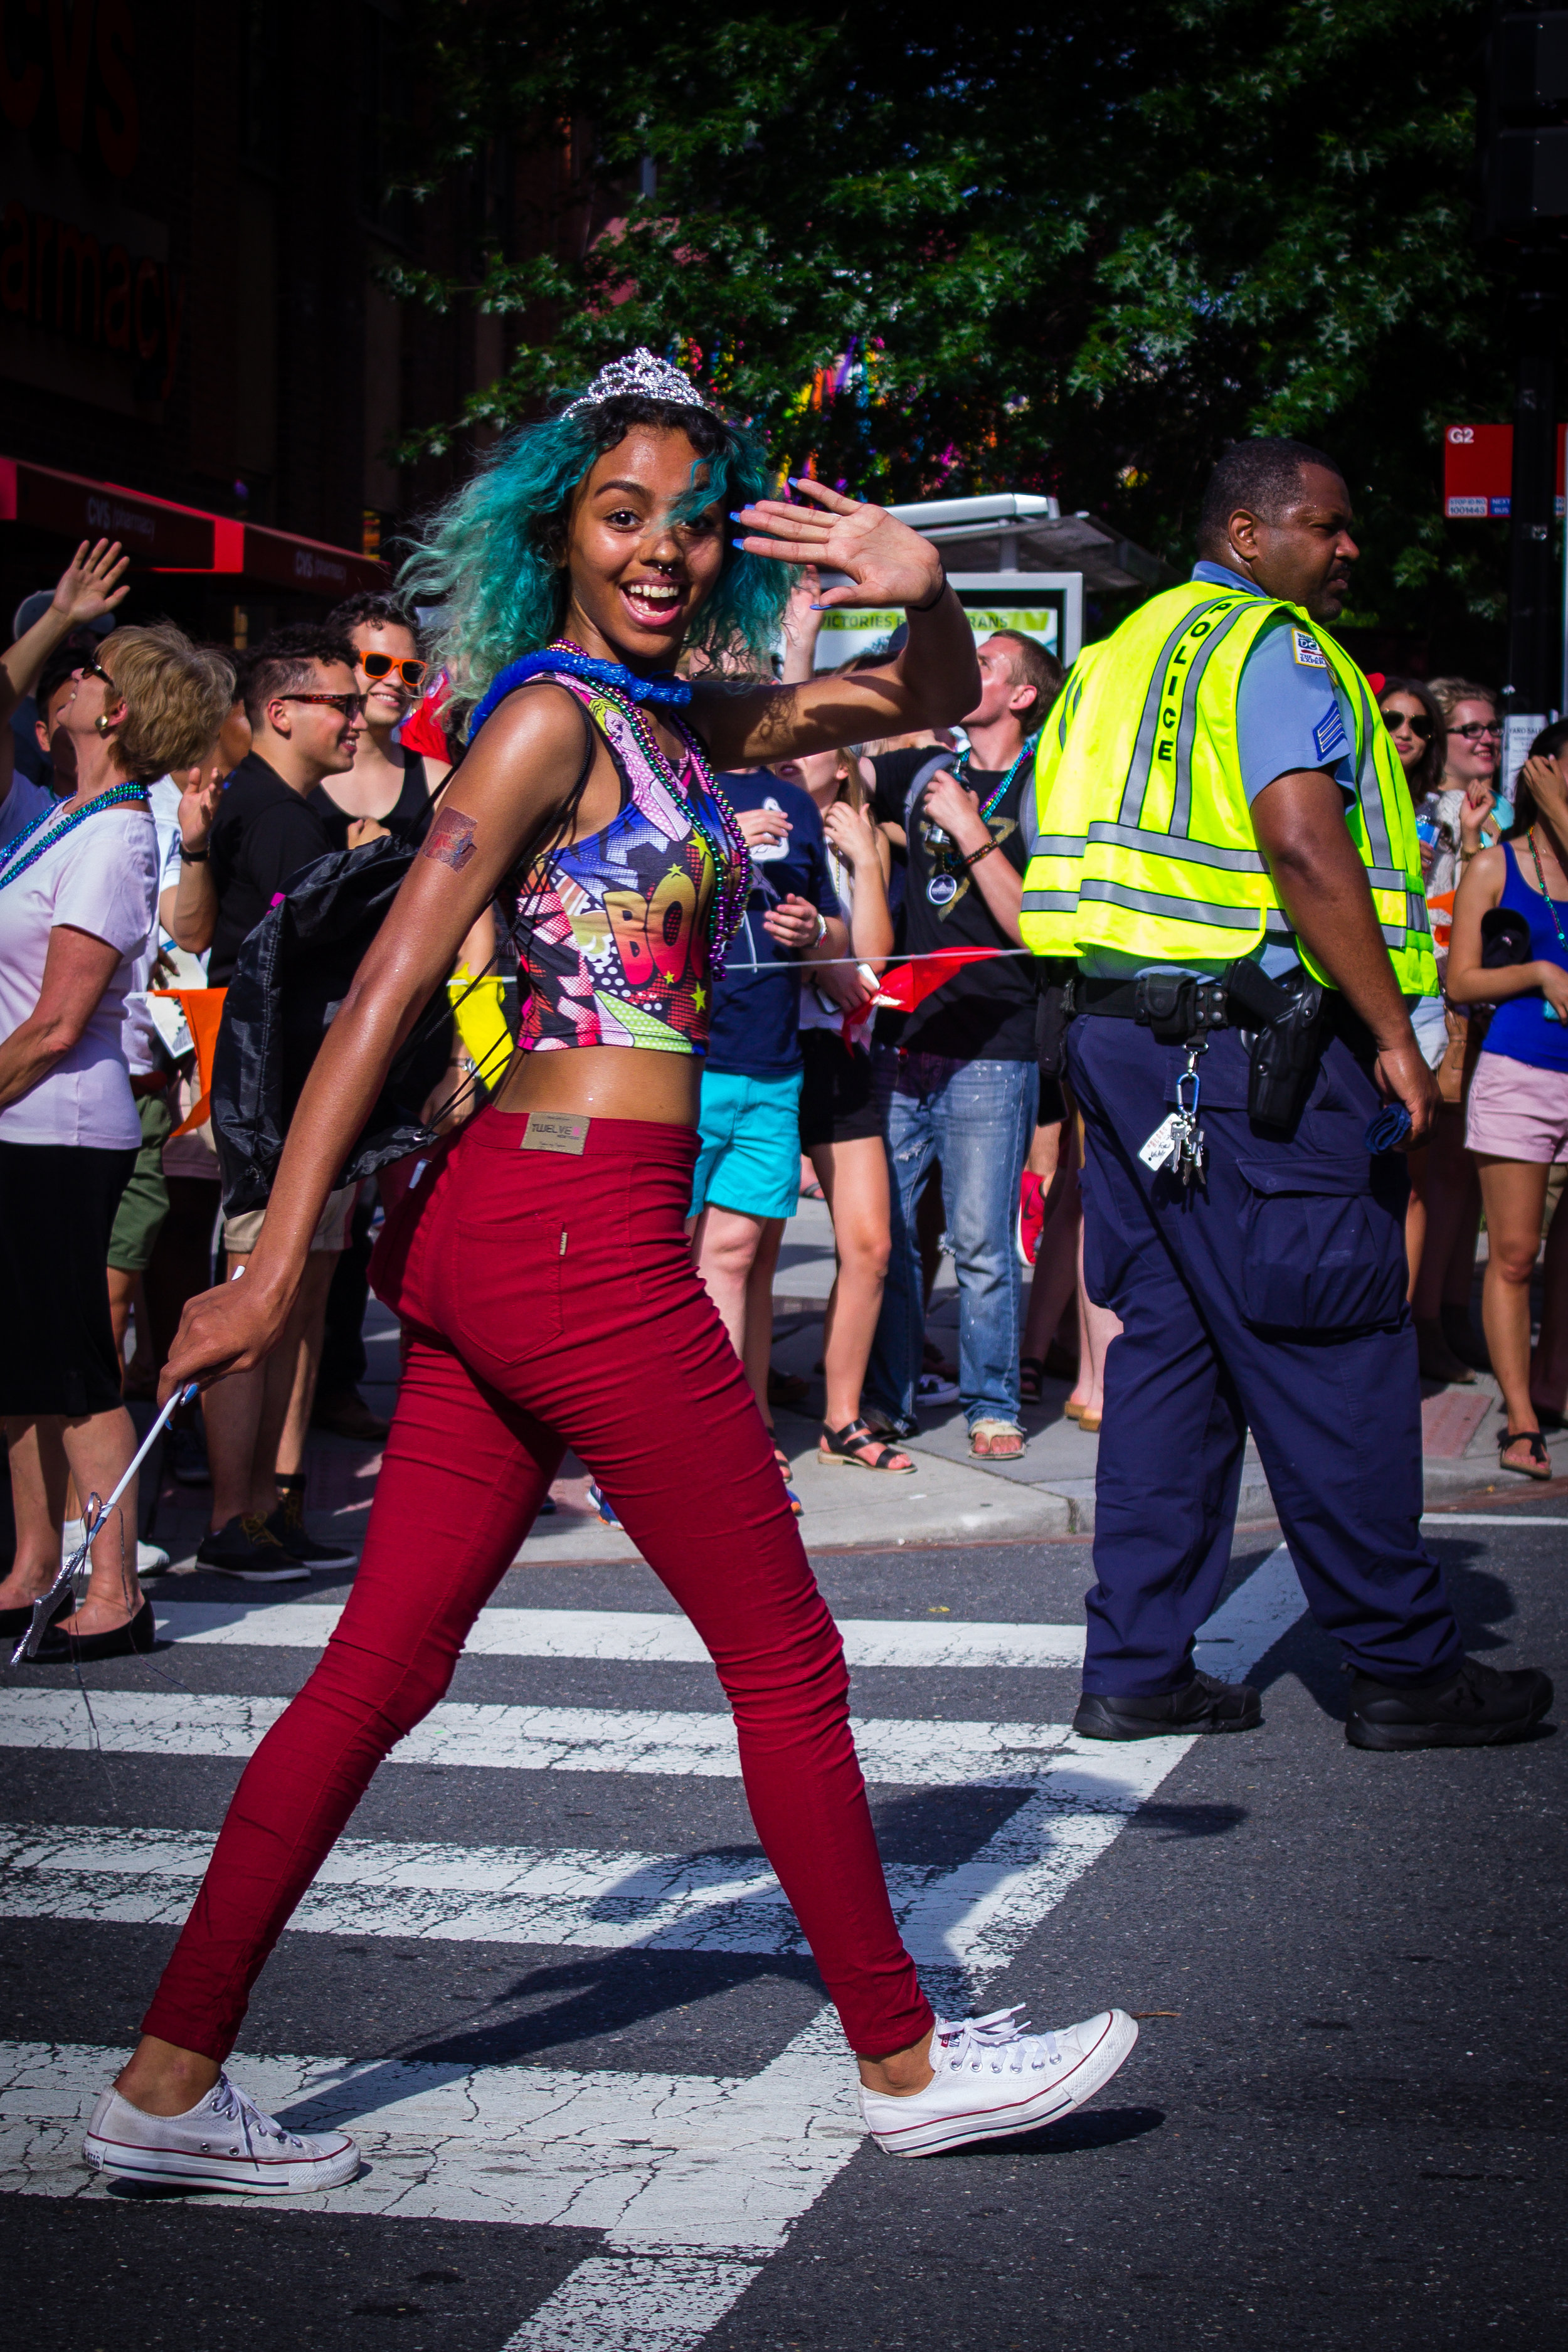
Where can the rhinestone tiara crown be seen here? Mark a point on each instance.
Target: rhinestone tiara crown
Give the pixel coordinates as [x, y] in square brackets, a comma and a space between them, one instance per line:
[641, 373]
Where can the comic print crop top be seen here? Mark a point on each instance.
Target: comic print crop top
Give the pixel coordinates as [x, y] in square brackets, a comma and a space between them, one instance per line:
[614, 927]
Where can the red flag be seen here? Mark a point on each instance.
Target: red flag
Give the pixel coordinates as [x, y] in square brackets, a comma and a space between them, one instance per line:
[422, 730]
[902, 990]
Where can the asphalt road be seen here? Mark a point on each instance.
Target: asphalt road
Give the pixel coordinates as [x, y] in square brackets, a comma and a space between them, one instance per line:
[599, 2099]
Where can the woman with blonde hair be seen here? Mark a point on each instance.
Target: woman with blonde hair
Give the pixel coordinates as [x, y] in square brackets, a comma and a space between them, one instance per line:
[78, 901]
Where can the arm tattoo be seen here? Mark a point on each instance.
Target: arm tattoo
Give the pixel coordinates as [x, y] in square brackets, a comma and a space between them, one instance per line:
[450, 840]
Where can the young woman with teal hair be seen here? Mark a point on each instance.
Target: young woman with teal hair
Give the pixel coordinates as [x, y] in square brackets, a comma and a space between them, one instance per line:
[541, 1265]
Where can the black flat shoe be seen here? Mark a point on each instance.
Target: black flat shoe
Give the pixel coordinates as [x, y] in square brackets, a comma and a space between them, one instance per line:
[17, 1620]
[60, 1648]
[1205, 1704]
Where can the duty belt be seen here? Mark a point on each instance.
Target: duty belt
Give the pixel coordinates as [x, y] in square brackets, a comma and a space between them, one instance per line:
[1177, 1007]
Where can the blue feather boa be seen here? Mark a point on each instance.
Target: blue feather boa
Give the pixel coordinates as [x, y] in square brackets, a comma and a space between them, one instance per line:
[667, 688]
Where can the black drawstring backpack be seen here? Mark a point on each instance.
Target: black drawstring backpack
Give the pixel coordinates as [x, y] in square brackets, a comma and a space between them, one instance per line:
[293, 972]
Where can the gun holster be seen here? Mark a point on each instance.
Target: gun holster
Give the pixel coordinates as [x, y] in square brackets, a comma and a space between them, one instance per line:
[1285, 1050]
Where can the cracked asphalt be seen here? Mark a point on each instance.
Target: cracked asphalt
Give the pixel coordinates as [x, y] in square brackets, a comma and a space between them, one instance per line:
[1344, 2125]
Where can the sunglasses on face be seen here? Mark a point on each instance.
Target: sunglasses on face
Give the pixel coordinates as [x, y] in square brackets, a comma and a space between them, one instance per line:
[383, 664]
[350, 705]
[1417, 722]
[1473, 734]
[91, 668]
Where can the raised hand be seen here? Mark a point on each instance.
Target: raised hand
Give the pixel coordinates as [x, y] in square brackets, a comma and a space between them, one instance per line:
[887, 563]
[1549, 790]
[92, 583]
[201, 790]
[851, 832]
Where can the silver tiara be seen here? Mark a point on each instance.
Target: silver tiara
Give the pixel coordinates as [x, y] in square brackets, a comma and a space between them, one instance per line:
[644, 375]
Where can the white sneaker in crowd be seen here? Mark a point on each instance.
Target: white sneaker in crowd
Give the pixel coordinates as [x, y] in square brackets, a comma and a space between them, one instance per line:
[152, 1560]
[223, 2142]
[994, 2079]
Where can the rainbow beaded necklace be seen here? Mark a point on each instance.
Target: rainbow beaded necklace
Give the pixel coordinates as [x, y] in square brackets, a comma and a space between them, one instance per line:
[13, 863]
[624, 690]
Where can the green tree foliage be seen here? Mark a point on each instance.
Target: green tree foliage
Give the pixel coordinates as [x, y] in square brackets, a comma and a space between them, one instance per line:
[1078, 254]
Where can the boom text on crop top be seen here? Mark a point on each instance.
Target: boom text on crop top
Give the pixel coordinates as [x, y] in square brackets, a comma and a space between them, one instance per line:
[614, 927]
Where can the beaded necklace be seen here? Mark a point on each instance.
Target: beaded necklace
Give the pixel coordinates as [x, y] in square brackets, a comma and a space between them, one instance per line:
[725, 842]
[1000, 794]
[12, 862]
[1551, 901]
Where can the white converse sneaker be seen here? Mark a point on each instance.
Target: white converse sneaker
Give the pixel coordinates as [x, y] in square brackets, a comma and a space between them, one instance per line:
[992, 2079]
[225, 2142]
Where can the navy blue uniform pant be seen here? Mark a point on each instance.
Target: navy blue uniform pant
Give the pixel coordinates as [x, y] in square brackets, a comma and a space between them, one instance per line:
[1272, 1297]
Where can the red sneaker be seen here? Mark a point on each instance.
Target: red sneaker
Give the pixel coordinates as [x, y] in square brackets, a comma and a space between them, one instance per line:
[1031, 1222]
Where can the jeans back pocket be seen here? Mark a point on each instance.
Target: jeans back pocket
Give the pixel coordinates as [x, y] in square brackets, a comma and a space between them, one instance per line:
[1321, 1251]
[506, 1281]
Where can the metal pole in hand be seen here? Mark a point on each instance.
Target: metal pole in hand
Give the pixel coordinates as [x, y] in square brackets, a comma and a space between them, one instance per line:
[45, 1609]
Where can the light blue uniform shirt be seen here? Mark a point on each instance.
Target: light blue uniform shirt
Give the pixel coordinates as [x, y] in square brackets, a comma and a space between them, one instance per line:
[1289, 715]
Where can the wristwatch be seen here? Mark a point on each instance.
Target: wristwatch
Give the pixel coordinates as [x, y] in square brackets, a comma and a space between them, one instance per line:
[194, 856]
[821, 928]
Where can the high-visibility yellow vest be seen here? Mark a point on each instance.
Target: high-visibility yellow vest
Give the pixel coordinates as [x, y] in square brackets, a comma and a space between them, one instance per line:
[1137, 827]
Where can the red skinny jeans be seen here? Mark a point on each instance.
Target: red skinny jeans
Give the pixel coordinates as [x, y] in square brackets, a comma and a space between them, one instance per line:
[552, 1303]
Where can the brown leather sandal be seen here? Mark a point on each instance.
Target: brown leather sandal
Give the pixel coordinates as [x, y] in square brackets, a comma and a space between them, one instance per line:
[857, 1444]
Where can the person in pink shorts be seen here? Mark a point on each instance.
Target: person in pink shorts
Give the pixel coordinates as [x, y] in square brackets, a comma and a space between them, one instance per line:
[1517, 1116]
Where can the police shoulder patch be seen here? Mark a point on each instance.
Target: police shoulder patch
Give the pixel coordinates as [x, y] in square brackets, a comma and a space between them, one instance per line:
[1307, 650]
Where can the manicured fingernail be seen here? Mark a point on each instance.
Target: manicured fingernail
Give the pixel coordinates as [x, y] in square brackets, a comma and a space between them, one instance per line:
[735, 513]
[738, 543]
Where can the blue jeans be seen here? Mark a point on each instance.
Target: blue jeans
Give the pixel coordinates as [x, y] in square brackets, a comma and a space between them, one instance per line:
[976, 1118]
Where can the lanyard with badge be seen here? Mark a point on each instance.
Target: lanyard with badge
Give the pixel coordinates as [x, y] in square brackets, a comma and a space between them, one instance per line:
[944, 884]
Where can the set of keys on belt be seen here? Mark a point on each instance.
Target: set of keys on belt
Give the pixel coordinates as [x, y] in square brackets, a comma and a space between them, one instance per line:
[1177, 1143]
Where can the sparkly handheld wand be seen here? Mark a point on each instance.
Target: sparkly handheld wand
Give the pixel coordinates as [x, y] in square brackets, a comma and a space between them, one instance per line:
[75, 1571]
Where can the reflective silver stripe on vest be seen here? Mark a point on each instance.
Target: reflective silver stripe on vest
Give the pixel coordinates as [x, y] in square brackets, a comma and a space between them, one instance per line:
[1193, 853]
[1059, 845]
[1186, 910]
[1377, 839]
[1049, 902]
[1182, 806]
[1144, 749]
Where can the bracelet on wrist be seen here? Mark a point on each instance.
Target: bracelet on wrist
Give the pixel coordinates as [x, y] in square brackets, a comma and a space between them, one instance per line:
[975, 855]
[932, 601]
[194, 856]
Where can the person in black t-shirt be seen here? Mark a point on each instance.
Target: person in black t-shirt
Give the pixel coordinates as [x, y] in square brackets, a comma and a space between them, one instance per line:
[956, 1078]
[305, 710]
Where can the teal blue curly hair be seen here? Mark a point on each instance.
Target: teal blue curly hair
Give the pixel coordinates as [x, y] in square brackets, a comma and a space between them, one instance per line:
[490, 557]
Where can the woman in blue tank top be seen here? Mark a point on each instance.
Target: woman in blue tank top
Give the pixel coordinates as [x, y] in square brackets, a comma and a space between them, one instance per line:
[1517, 1120]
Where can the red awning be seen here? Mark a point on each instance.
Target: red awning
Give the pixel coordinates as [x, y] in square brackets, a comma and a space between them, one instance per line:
[160, 536]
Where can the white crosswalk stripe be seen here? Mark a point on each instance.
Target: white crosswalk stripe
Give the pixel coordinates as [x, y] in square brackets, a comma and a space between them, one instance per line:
[914, 1754]
[633, 1637]
[693, 2180]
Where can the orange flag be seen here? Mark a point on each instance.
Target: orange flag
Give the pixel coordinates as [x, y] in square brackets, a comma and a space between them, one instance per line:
[203, 1009]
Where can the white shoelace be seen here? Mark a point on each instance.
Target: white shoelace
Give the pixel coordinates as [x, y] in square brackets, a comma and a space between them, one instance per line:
[235, 2105]
[994, 2041]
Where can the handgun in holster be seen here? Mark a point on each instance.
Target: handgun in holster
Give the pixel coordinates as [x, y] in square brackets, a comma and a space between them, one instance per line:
[1285, 1025]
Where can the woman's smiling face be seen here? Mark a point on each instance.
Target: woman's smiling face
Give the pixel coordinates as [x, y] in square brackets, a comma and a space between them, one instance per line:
[638, 573]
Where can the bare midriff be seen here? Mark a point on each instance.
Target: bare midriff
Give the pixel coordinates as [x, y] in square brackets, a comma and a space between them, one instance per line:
[607, 1082]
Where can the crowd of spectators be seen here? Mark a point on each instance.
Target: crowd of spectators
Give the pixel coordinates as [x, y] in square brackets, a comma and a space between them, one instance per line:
[935, 1122]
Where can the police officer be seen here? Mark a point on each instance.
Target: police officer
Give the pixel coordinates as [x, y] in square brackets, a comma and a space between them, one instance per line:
[1224, 844]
